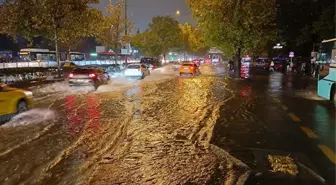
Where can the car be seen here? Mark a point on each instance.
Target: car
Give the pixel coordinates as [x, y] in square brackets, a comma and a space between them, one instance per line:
[137, 70]
[13, 101]
[89, 76]
[176, 66]
[189, 68]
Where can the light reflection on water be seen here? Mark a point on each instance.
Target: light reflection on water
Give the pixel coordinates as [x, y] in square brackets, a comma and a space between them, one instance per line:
[324, 123]
[275, 84]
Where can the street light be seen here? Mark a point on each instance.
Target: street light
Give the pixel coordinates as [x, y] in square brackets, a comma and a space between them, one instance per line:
[178, 12]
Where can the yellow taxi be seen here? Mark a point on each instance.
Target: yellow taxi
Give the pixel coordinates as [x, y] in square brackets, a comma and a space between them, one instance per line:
[189, 68]
[13, 101]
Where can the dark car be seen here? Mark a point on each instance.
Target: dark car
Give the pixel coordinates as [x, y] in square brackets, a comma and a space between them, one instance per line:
[87, 77]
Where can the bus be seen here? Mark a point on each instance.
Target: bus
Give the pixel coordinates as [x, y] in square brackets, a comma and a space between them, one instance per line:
[326, 87]
[327, 52]
[76, 56]
[34, 54]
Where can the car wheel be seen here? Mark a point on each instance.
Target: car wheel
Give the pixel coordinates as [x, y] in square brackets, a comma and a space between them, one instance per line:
[21, 107]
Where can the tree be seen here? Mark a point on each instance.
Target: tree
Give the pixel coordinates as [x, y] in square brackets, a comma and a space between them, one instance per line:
[114, 26]
[163, 34]
[324, 26]
[236, 26]
[193, 40]
[48, 18]
[79, 30]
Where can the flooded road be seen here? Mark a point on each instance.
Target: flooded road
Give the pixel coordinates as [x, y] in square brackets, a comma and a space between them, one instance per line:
[278, 114]
[167, 129]
[148, 132]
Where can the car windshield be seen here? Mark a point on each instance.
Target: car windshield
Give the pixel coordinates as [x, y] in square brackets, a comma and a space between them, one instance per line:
[133, 67]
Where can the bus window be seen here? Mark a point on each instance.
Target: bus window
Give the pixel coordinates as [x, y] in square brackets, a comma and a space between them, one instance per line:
[77, 57]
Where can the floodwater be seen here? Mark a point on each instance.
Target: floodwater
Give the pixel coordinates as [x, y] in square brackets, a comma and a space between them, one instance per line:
[155, 131]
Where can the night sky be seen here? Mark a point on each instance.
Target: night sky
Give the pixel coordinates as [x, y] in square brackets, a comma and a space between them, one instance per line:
[142, 11]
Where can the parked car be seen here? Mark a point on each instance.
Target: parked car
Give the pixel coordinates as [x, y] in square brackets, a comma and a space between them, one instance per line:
[137, 70]
[88, 76]
[13, 101]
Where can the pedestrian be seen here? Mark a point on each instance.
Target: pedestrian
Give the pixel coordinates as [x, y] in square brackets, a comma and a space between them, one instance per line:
[272, 66]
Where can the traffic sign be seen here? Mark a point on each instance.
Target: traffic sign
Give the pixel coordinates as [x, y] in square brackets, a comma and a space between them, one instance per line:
[291, 54]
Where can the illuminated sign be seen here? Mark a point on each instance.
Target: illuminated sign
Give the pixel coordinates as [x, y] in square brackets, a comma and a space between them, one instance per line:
[24, 53]
[278, 46]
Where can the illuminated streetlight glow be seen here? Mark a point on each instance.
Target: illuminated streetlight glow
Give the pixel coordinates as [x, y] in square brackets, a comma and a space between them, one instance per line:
[178, 12]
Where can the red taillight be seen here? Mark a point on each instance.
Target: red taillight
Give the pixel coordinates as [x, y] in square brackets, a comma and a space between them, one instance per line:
[70, 75]
[92, 75]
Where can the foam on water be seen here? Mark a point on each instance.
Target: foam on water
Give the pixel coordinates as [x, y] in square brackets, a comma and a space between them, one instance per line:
[33, 116]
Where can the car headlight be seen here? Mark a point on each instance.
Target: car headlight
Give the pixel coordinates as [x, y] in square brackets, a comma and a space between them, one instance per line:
[28, 94]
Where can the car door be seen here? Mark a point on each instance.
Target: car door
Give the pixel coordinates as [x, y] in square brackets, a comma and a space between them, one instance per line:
[5, 99]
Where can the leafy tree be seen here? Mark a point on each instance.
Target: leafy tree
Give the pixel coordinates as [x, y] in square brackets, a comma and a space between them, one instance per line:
[114, 24]
[163, 34]
[193, 40]
[79, 30]
[48, 18]
[324, 27]
[236, 26]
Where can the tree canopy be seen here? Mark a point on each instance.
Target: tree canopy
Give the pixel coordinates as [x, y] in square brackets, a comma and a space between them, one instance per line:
[162, 35]
[236, 26]
[60, 21]
[192, 40]
[112, 27]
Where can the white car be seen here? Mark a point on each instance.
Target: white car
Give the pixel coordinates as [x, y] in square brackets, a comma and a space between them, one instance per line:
[137, 70]
[176, 66]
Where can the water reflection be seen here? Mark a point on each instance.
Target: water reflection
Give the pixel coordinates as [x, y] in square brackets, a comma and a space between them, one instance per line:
[324, 123]
[275, 84]
[93, 110]
[75, 122]
[80, 111]
[246, 91]
[138, 91]
[245, 72]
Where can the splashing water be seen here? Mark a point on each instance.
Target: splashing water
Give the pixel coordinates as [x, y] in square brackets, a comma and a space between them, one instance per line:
[33, 116]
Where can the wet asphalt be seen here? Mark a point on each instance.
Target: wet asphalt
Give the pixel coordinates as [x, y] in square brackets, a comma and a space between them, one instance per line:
[278, 114]
[161, 132]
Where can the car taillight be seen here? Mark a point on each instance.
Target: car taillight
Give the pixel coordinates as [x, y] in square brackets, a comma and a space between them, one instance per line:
[70, 75]
[92, 75]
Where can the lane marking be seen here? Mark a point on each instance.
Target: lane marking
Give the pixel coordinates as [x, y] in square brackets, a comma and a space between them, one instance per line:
[328, 152]
[294, 117]
[276, 100]
[309, 132]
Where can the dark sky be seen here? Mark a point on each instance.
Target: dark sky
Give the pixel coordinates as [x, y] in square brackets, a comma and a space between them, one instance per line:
[142, 11]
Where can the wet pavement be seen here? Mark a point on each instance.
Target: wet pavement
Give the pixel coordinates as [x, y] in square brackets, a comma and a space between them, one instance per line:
[278, 114]
[171, 130]
[148, 132]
